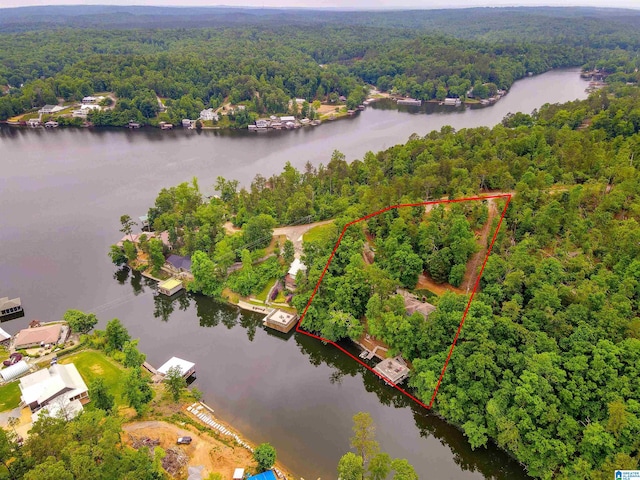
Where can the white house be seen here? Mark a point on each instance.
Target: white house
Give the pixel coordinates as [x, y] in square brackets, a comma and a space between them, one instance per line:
[48, 109]
[59, 389]
[209, 114]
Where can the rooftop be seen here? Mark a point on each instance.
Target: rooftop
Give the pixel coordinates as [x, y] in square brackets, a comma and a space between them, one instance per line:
[268, 475]
[393, 369]
[170, 284]
[46, 334]
[281, 317]
[183, 365]
[4, 335]
[14, 371]
[180, 262]
[296, 266]
[45, 384]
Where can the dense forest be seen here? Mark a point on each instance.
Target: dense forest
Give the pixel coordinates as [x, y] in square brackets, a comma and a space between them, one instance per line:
[262, 60]
[547, 363]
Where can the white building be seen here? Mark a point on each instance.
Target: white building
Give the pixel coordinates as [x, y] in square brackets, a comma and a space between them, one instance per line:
[186, 368]
[209, 115]
[60, 389]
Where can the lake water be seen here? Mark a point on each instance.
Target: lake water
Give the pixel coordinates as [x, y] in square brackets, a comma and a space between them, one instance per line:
[62, 193]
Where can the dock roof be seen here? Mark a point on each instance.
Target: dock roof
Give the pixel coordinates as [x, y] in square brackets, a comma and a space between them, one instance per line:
[170, 284]
[183, 365]
[393, 369]
[4, 335]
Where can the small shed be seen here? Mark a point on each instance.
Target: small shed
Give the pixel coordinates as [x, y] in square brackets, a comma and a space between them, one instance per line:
[280, 320]
[14, 371]
[186, 368]
[170, 287]
[238, 474]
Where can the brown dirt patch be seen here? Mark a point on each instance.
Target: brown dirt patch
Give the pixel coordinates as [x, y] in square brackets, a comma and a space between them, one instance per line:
[214, 455]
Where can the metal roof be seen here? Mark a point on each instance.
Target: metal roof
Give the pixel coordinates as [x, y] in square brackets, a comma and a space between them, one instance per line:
[268, 475]
[183, 365]
[170, 284]
[14, 371]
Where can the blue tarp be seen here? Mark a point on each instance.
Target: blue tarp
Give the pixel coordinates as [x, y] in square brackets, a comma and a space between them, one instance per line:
[268, 475]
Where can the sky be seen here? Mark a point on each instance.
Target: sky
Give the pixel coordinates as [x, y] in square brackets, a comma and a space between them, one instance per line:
[350, 4]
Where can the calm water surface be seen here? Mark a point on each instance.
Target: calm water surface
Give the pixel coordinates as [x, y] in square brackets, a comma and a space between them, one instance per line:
[62, 193]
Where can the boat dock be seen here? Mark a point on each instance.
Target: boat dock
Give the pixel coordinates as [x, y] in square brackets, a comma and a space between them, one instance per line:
[393, 370]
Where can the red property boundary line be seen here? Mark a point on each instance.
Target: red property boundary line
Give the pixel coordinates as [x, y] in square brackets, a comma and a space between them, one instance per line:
[464, 315]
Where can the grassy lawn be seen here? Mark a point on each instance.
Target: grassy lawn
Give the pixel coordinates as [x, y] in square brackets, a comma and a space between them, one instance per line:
[321, 232]
[9, 396]
[92, 364]
[262, 296]
[4, 353]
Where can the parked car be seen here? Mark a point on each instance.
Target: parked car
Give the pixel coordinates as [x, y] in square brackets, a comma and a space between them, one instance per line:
[184, 440]
[13, 359]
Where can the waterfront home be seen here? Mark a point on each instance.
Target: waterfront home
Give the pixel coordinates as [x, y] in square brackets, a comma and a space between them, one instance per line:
[186, 368]
[5, 338]
[290, 279]
[280, 320]
[33, 122]
[49, 109]
[135, 238]
[51, 124]
[170, 287]
[178, 264]
[58, 390]
[209, 114]
[262, 123]
[39, 336]
[10, 306]
[91, 100]
[452, 101]
[165, 125]
[288, 118]
[186, 123]
[394, 370]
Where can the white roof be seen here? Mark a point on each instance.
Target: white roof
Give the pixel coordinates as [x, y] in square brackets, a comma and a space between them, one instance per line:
[296, 266]
[184, 365]
[4, 335]
[72, 409]
[44, 384]
[288, 119]
[14, 371]
[238, 473]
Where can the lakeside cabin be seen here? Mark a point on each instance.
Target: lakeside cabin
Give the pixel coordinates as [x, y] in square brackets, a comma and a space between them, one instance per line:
[170, 287]
[280, 320]
[186, 367]
[393, 370]
[454, 102]
[10, 306]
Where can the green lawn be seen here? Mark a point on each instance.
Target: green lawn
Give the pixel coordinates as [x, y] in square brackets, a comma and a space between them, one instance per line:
[92, 364]
[9, 396]
[321, 232]
[4, 353]
[262, 296]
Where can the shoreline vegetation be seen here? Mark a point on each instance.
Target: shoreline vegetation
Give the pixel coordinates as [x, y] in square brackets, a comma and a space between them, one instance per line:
[153, 411]
[520, 328]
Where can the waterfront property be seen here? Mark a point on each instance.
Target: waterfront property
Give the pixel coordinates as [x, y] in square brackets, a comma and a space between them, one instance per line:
[412, 304]
[39, 336]
[59, 390]
[290, 279]
[209, 114]
[170, 287]
[186, 368]
[49, 109]
[280, 320]
[135, 237]
[395, 370]
[10, 306]
[178, 264]
[452, 101]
